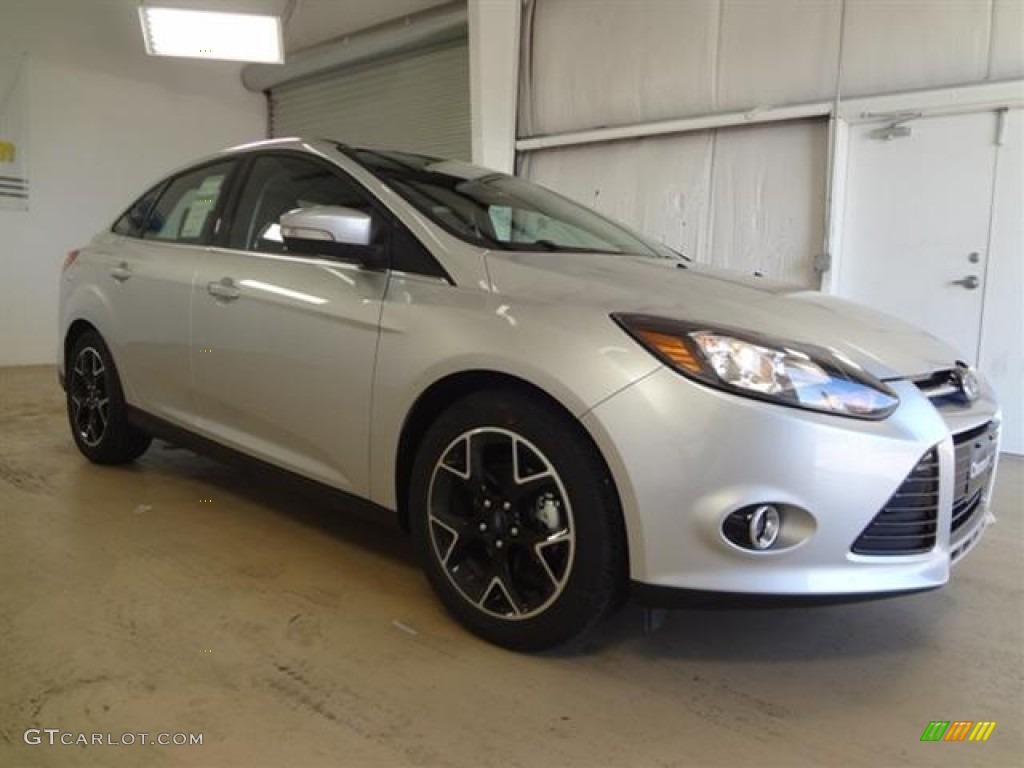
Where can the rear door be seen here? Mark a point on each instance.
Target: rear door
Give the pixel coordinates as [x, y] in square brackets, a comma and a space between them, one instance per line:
[150, 272]
[284, 345]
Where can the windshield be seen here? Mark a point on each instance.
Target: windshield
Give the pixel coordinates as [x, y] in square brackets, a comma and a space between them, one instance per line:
[498, 211]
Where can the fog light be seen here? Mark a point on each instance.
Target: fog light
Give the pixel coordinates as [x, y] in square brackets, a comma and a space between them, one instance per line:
[756, 527]
[764, 525]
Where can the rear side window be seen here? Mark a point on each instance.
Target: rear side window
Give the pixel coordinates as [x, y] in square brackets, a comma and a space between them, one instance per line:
[184, 212]
[133, 221]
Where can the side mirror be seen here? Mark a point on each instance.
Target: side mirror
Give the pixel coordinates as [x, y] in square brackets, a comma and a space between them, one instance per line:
[332, 230]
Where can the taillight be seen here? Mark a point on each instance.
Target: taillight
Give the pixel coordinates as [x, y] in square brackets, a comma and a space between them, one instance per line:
[69, 259]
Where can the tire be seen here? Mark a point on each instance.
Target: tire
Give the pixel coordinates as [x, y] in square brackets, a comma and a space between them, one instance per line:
[516, 521]
[96, 409]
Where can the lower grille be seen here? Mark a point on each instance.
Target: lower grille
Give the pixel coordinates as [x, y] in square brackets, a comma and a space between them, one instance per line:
[908, 522]
[975, 452]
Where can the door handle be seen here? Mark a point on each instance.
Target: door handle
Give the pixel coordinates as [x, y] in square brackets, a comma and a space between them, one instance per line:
[970, 282]
[121, 272]
[224, 289]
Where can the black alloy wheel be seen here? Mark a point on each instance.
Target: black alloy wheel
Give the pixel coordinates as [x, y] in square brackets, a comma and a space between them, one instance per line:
[517, 521]
[96, 408]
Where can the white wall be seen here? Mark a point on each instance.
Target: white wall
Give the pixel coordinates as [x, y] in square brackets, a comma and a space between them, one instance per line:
[614, 62]
[751, 198]
[104, 120]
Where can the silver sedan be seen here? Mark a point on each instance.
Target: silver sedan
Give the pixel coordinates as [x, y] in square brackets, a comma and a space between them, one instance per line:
[561, 411]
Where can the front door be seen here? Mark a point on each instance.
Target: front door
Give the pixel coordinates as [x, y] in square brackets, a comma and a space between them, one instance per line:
[919, 240]
[284, 345]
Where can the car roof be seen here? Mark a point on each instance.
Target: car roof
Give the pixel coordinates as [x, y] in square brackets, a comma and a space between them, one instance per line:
[320, 147]
[291, 142]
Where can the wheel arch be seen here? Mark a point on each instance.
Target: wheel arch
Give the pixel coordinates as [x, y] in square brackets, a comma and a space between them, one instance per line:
[445, 391]
[74, 332]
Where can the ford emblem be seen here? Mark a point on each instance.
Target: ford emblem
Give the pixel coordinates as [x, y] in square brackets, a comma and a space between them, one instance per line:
[966, 380]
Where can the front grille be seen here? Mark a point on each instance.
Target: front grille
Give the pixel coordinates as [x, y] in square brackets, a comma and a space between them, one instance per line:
[908, 522]
[975, 452]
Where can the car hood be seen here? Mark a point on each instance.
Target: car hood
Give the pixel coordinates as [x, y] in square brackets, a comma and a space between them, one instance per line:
[884, 346]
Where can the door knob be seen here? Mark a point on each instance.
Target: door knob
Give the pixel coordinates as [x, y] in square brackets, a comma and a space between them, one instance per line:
[970, 282]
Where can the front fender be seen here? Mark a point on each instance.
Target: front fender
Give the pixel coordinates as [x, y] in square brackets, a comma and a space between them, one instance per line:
[576, 357]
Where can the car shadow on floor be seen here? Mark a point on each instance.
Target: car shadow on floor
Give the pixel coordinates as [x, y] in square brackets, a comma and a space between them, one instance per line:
[727, 634]
[336, 515]
[777, 634]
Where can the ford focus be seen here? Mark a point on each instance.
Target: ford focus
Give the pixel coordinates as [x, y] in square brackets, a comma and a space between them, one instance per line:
[560, 411]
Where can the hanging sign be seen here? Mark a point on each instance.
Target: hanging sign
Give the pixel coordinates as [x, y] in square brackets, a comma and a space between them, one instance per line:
[14, 187]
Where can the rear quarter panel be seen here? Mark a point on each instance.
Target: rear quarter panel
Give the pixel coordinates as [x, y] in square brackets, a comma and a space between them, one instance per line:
[82, 298]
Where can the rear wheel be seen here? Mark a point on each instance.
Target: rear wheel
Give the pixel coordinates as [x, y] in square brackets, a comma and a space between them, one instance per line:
[96, 407]
[516, 521]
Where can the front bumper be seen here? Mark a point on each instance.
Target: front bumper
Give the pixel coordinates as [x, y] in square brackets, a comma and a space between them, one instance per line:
[684, 457]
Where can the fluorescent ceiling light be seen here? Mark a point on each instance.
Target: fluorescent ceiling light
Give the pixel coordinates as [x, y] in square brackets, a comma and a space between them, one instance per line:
[211, 34]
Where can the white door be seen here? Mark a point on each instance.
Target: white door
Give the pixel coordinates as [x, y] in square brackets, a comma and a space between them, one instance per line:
[918, 239]
[1002, 333]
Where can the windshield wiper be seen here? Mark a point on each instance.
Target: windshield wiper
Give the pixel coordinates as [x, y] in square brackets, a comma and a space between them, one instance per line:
[551, 245]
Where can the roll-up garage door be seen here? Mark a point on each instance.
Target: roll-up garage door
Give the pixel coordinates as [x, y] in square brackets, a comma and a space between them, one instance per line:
[416, 101]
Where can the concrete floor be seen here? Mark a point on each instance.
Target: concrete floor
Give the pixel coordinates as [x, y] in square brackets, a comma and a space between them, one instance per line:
[179, 595]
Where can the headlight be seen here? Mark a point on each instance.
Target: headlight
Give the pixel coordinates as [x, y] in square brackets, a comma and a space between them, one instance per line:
[749, 364]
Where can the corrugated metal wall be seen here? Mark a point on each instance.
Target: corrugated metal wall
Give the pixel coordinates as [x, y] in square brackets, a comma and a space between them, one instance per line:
[750, 198]
[416, 101]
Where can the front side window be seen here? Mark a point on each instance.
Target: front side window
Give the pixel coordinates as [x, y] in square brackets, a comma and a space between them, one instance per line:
[184, 212]
[499, 211]
[277, 184]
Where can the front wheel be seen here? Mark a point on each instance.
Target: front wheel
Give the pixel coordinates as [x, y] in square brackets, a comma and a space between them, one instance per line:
[516, 521]
[96, 408]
